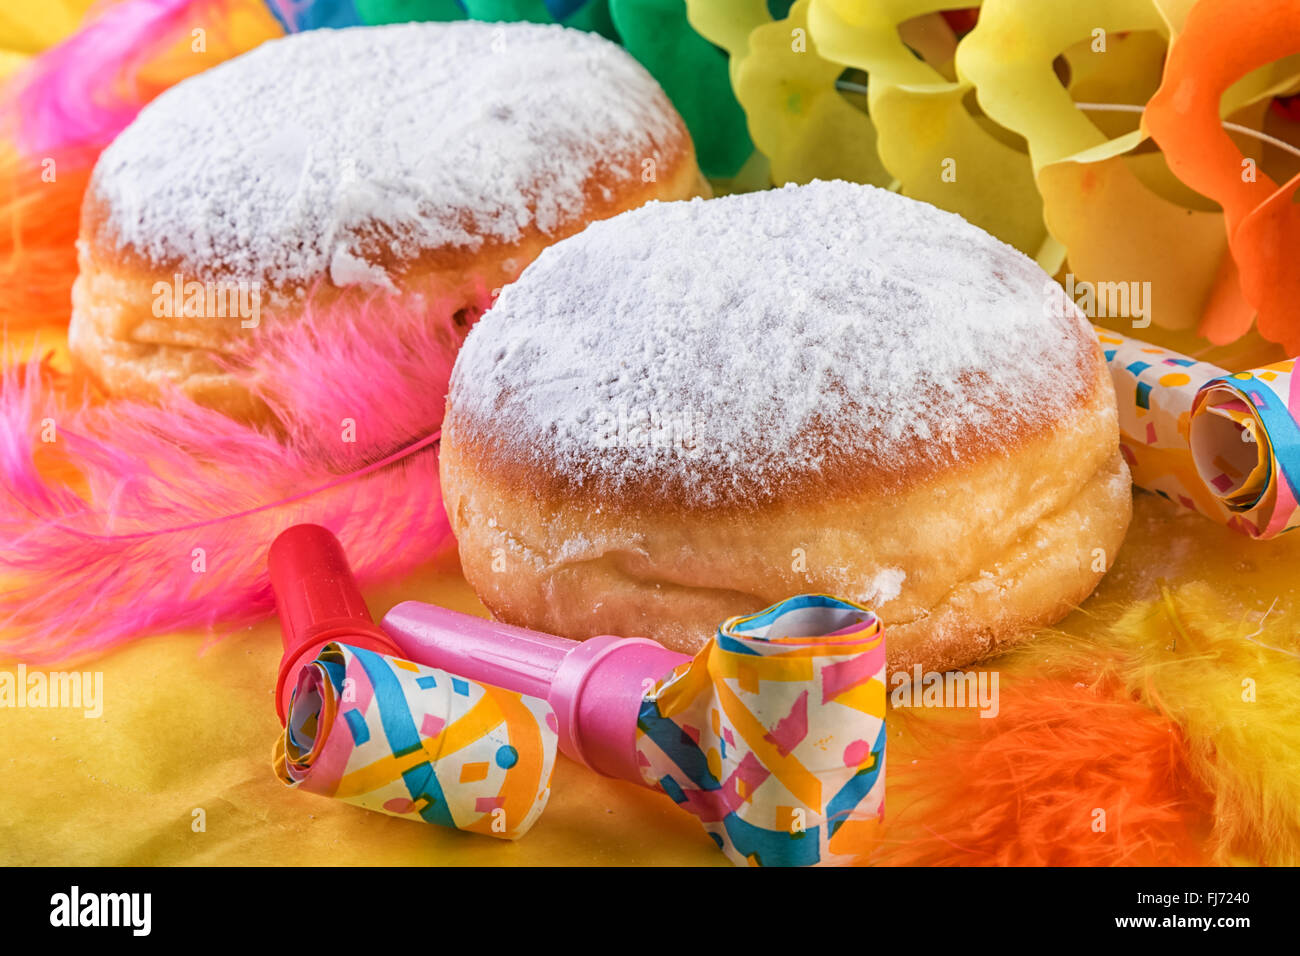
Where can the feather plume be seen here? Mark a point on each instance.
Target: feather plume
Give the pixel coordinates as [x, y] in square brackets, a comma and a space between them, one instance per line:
[83, 91]
[59, 113]
[1179, 719]
[122, 518]
[1231, 681]
[1064, 775]
[39, 219]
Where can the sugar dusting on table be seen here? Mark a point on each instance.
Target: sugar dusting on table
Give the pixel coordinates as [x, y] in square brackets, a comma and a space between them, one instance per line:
[293, 160]
[788, 330]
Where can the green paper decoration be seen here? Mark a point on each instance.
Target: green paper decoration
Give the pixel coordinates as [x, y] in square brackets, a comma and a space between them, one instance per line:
[694, 74]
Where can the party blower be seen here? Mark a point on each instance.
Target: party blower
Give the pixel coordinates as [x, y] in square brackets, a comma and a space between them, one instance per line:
[773, 735]
[367, 726]
[1226, 444]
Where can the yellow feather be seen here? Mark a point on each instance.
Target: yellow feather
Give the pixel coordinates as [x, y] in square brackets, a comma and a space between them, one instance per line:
[1231, 681]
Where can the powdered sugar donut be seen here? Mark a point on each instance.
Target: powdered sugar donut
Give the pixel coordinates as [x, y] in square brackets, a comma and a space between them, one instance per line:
[429, 159]
[694, 410]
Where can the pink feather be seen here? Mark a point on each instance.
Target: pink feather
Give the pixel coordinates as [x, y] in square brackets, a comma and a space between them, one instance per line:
[57, 115]
[82, 92]
[142, 518]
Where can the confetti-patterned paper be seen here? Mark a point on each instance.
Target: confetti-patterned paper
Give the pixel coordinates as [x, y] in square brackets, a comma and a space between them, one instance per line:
[1225, 444]
[774, 734]
[419, 743]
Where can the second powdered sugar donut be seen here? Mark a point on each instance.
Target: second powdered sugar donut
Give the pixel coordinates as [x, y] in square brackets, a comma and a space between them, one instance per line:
[430, 162]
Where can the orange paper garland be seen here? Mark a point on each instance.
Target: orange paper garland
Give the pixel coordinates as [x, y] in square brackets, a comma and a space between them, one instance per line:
[1221, 42]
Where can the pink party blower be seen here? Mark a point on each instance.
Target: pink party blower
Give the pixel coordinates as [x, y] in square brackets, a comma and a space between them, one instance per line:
[595, 686]
[772, 736]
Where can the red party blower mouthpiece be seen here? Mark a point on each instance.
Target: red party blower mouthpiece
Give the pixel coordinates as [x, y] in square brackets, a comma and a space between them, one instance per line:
[318, 602]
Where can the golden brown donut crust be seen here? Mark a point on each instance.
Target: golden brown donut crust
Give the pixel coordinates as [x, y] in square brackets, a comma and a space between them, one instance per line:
[990, 548]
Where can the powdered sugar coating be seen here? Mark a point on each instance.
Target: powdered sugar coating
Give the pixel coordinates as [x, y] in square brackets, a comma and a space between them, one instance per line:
[786, 332]
[321, 153]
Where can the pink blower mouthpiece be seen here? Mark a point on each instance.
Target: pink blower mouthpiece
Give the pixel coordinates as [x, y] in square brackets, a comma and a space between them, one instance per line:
[595, 687]
[773, 735]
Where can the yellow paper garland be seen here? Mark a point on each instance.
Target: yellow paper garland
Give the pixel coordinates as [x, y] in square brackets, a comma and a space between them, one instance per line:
[928, 138]
[1119, 211]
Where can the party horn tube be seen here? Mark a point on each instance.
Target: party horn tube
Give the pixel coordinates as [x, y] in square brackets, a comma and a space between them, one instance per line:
[384, 733]
[1226, 444]
[773, 735]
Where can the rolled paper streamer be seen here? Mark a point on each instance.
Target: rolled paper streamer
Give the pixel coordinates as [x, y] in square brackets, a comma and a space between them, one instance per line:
[415, 742]
[774, 734]
[1226, 444]
[367, 727]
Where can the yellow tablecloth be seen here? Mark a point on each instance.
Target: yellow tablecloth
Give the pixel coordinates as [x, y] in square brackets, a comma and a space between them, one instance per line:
[177, 768]
[188, 724]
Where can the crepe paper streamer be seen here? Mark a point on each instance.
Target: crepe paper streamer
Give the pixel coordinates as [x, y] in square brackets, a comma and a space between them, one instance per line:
[926, 136]
[1009, 57]
[1085, 164]
[961, 21]
[774, 735]
[592, 15]
[1287, 107]
[1221, 42]
[418, 743]
[694, 74]
[1222, 443]
[298, 15]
